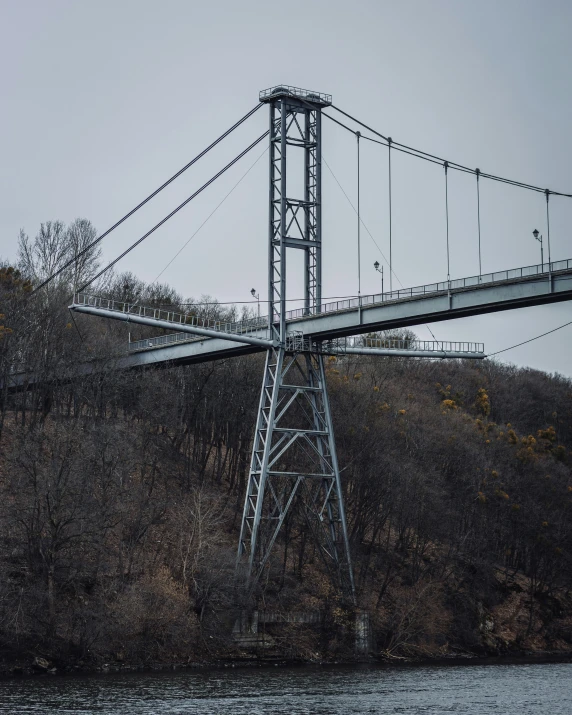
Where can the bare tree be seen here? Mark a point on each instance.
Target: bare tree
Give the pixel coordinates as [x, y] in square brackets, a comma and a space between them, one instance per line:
[54, 246]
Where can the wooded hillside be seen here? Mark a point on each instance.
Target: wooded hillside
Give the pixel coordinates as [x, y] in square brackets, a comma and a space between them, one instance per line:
[121, 493]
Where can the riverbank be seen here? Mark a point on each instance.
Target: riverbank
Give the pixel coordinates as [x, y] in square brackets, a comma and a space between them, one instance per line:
[41, 668]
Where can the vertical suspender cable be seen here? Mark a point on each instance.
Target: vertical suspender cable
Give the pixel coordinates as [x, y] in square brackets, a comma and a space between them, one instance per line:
[477, 172]
[390, 253]
[446, 167]
[358, 135]
[547, 192]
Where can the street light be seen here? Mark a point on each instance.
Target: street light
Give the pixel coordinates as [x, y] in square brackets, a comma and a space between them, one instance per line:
[256, 295]
[376, 266]
[538, 237]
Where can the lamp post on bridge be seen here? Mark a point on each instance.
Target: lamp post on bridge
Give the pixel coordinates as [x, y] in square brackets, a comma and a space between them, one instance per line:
[538, 237]
[256, 295]
[376, 266]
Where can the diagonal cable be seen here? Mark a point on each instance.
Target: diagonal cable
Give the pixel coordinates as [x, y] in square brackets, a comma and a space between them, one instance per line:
[438, 160]
[174, 211]
[530, 340]
[152, 195]
[209, 217]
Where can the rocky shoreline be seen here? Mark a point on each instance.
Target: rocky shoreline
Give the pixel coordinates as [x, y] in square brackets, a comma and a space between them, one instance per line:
[41, 667]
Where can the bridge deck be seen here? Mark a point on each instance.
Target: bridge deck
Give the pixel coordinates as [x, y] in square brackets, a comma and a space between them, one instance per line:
[506, 290]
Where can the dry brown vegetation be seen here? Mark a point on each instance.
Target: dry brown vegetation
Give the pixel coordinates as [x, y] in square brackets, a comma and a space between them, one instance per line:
[121, 496]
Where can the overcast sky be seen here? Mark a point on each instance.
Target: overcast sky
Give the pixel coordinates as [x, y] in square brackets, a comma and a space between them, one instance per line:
[103, 100]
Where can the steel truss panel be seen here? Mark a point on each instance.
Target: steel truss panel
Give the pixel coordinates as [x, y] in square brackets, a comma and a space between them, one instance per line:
[294, 469]
[294, 464]
[294, 222]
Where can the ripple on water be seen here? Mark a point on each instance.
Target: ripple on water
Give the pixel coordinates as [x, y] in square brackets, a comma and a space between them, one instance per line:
[471, 690]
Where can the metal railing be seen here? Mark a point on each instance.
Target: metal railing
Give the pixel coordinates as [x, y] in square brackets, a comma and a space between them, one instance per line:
[295, 92]
[340, 305]
[362, 341]
[240, 327]
[162, 340]
[444, 286]
[296, 341]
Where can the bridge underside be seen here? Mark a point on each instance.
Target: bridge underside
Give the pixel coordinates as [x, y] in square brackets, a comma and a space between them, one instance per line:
[390, 314]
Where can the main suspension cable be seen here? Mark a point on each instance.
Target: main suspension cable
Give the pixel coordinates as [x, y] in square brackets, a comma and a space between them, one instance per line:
[394, 144]
[146, 200]
[426, 156]
[176, 210]
[357, 121]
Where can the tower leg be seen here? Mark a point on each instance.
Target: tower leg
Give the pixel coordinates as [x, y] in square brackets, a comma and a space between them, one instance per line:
[294, 467]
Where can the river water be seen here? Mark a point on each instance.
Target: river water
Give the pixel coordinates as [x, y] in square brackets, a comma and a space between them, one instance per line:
[472, 689]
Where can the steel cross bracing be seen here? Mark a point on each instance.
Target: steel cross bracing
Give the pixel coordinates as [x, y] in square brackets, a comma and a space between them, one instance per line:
[294, 463]
[295, 222]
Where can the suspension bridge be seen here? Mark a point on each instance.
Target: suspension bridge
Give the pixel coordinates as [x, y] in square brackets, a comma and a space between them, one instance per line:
[293, 462]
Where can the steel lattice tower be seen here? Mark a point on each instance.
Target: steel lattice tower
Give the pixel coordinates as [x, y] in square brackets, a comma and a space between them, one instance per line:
[294, 463]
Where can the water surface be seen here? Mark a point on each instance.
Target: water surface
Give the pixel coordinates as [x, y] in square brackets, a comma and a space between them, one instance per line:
[472, 689]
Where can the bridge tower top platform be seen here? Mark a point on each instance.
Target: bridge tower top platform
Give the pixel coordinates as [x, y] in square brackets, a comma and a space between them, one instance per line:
[285, 90]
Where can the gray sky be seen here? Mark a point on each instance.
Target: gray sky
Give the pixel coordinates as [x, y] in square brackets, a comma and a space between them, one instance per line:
[103, 100]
